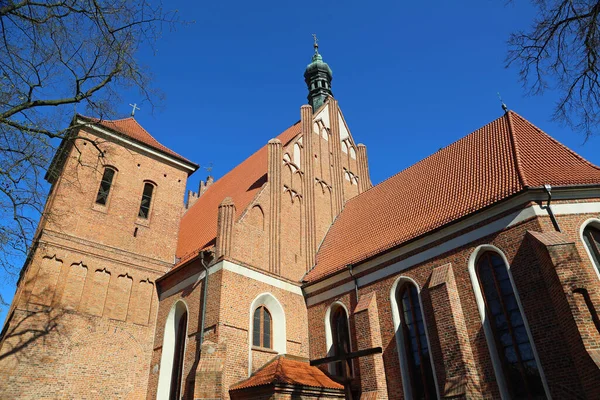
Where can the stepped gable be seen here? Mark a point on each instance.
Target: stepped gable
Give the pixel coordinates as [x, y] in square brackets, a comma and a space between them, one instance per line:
[132, 129]
[288, 371]
[493, 163]
[198, 228]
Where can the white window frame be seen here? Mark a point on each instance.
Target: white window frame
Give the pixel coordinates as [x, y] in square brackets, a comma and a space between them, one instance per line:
[487, 328]
[402, 356]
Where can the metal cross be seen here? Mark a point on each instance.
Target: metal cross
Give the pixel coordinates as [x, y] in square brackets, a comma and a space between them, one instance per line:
[135, 107]
[314, 35]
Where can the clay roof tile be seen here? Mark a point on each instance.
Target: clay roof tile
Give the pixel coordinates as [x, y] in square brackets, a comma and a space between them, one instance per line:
[284, 370]
[491, 164]
[132, 129]
[198, 228]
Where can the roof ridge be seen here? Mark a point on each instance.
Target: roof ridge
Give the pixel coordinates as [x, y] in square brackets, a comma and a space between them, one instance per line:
[423, 159]
[515, 148]
[107, 120]
[278, 374]
[580, 158]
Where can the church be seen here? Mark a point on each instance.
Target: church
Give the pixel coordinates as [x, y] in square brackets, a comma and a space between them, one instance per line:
[472, 274]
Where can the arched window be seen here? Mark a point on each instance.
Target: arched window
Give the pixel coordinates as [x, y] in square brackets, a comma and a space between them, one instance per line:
[414, 340]
[591, 238]
[173, 353]
[146, 200]
[513, 346]
[105, 184]
[341, 341]
[277, 326]
[177, 372]
[262, 328]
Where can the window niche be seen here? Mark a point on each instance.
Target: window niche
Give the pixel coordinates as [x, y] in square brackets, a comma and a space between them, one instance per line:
[514, 359]
[418, 375]
[339, 344]
[171, 370]
[106, 183]
[591, 239]
[146, 201]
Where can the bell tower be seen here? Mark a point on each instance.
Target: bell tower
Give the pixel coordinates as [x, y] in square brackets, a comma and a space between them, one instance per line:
[318, 78]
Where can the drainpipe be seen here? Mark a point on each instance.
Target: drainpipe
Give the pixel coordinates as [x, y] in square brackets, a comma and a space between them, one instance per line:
[548, 190]
[355, 281]
[204, 296]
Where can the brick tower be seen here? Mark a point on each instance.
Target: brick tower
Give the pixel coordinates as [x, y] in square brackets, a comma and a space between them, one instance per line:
[82, 320]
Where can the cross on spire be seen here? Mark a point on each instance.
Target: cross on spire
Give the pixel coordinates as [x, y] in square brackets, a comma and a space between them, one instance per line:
[316, 45]
[135, 107]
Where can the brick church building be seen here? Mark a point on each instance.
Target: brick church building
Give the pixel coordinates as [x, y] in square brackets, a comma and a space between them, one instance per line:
[472, 274]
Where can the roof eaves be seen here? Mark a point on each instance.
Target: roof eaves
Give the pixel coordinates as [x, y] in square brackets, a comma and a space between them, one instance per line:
[386, 249]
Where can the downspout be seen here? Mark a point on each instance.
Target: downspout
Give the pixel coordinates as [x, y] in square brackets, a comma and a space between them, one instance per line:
[355, 281]
[548, 189]
[204, 296]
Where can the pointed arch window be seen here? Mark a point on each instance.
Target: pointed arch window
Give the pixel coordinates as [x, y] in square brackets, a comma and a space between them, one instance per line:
[591, 238]
[105, 185]
[170, 379]
[519, 366]
[177, 372]
[340, 335]
[262, 329]
[415, 343]
[146, 202]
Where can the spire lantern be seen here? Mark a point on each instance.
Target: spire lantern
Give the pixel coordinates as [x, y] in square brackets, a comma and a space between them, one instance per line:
[318, 78]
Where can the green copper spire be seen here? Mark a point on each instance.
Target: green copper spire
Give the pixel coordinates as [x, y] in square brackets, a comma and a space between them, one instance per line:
[318, 78]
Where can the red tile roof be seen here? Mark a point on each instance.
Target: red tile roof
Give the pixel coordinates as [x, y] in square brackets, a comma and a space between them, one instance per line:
[287, 371]
[132, 129]
[198, 228]
[494, 162]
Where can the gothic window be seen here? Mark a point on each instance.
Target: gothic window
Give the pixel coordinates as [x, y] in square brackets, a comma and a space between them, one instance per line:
[591, 237]
[171, 375]
[262, 328]
[521, 371]
[105, 184]
[341, 341]
[177, 371]
[146, 200]
[415, 343]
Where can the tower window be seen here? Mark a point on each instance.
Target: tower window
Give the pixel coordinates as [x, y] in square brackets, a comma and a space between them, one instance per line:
[415, 343]
[146, 200]
[105, 184]
[513, 345]
[262, 332]
[591, 237]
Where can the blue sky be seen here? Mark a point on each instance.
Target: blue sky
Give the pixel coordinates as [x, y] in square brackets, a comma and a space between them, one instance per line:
[410, 77]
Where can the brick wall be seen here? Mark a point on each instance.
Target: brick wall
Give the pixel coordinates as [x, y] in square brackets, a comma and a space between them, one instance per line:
[82, 321]
[526, 270]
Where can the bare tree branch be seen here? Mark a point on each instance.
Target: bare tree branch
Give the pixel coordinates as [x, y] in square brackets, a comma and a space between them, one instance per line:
[58, 57]
[560, 51]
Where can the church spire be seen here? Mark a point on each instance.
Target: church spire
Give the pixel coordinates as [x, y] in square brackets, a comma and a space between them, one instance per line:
[318, 78]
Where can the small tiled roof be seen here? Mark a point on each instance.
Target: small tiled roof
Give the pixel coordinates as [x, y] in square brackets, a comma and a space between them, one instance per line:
[491, 164]
[284, 370]
[132, 129]
[198, 228]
